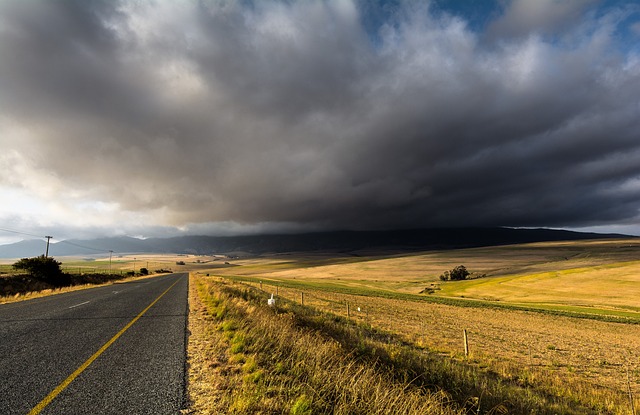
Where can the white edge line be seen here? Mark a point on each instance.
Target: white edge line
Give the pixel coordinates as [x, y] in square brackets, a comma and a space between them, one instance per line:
[78, 305]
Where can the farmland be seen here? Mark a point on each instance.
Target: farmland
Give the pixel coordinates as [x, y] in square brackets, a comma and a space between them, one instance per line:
[589, 276]
[551, 328]
[560, 318]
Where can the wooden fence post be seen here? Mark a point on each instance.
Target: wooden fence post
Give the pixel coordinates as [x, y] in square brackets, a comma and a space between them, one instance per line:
[302, 298]
[633, 407]
[348, 311]
[466, 342]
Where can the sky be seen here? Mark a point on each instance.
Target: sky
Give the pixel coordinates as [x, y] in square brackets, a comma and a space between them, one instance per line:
[161, 118]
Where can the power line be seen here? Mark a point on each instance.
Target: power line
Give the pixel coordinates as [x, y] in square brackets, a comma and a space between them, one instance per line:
[48, 238]
[20, 233]
[84, 247]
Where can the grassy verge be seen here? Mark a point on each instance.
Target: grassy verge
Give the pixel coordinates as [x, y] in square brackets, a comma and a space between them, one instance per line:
[248, 358]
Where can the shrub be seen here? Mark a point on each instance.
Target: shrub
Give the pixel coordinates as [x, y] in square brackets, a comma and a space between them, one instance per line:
[144, 271]
[42, 268]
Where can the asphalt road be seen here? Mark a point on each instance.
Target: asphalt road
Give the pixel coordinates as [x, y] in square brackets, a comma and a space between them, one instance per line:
[117, 349]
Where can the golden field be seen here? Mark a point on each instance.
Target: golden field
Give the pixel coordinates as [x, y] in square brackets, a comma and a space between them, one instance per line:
[536, 318]
[599, 275]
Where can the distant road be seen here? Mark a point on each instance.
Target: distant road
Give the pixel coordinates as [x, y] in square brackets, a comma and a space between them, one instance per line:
[117, 349]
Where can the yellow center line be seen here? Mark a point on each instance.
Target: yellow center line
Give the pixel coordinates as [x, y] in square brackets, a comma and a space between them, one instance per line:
[51, 396]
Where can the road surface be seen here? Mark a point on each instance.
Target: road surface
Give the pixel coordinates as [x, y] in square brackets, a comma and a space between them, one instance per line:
[116, 349]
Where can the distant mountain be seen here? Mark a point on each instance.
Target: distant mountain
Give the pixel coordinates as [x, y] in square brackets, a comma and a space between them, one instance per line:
[23, 249]
[339, 241]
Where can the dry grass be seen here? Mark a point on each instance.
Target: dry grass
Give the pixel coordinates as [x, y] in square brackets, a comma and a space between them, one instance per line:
[207, 358]
[262, 362]
[245, 359]
[586, 360]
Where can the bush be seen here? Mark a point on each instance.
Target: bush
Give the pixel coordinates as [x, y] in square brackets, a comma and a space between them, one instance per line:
[144, 271]
[42, 268]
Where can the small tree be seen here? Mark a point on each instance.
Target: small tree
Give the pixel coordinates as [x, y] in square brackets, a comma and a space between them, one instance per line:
[459, 273]
[41, 268]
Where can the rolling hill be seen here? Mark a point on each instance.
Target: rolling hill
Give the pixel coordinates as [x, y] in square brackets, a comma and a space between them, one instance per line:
[338, 241]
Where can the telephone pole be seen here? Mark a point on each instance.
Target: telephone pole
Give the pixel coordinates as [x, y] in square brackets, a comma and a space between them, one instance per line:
[46, 254]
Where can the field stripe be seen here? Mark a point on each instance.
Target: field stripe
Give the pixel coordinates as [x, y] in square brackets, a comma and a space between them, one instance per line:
[52, 395]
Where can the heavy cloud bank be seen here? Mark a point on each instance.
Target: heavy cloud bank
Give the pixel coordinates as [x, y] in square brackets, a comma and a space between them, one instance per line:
[323, 114]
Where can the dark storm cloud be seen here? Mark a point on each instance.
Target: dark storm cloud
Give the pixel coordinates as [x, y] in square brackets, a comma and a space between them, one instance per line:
[300, 113]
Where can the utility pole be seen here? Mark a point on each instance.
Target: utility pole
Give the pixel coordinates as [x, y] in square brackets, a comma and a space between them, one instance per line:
[46, 255]
[110, 254]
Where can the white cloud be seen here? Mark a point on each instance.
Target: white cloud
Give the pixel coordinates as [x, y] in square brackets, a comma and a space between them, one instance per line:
[522, 18]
